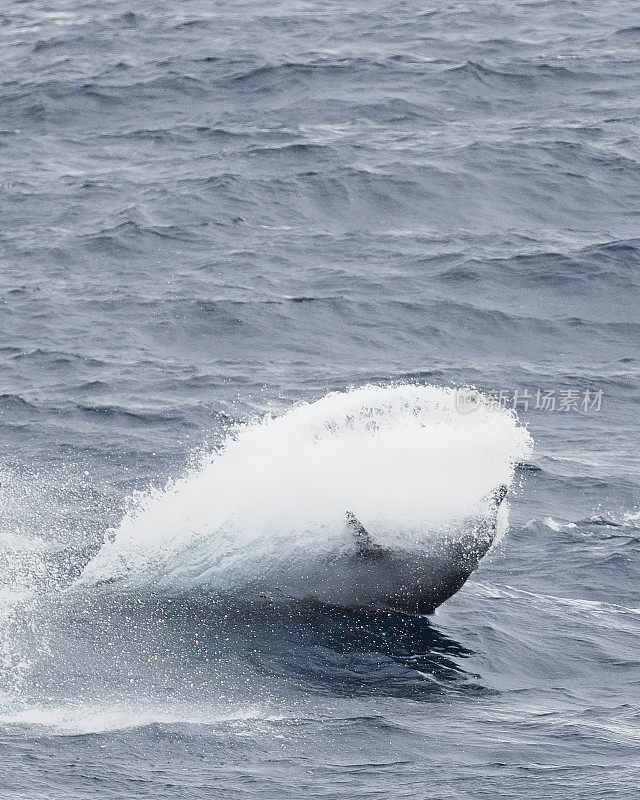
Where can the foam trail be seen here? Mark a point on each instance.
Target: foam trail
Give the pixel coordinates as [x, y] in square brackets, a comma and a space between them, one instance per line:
[267, 508]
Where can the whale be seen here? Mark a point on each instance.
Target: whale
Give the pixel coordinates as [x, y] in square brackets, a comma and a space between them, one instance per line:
[419, 583]
[362, 574]
[372, 577]
[375, 498]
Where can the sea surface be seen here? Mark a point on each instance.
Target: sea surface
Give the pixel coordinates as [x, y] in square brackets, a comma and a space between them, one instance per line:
[238, 240]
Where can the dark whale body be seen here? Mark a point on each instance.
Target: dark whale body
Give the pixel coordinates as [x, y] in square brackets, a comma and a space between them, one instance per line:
[416, 584]
[362, 574]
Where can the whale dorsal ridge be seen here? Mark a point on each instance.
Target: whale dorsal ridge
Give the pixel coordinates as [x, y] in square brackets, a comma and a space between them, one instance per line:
[365, 545]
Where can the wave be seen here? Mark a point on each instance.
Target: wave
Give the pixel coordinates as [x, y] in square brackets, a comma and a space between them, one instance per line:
[602, 614]
[622, 522]
[81, 719]
[264, 515]
[522, 74]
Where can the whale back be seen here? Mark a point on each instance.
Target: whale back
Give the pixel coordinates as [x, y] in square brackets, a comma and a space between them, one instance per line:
[404, 581]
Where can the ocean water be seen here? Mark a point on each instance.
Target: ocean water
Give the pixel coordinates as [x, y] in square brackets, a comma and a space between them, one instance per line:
[249, 254]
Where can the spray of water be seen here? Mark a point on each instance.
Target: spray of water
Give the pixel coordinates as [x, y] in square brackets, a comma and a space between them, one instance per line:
[403, 459]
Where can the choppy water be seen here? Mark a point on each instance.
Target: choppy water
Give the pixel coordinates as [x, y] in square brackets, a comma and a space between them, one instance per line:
[213, 211]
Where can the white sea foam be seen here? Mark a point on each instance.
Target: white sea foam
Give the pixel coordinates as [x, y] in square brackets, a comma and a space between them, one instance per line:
[402, 458]
[631, 519]
[77, 719]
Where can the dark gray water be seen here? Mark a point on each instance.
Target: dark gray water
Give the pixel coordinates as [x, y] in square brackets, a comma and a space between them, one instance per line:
[213, 210]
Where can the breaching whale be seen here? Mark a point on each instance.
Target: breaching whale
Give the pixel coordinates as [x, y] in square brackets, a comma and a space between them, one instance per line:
[411, 577]
[376, 498]
[409, 582]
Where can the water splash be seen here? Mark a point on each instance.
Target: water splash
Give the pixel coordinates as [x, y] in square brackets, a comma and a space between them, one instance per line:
[272, 499]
